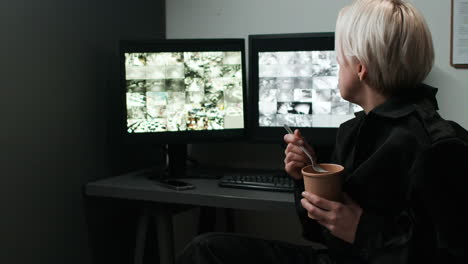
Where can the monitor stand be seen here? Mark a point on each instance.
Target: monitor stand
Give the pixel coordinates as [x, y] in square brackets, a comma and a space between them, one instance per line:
[174, 158]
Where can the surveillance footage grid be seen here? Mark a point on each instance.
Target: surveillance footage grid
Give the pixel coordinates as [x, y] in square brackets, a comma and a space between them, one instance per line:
[300, 89]
[181, 91]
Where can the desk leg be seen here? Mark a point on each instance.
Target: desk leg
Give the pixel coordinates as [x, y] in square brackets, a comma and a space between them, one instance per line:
[142, 229]
[230, 227]
[206, 219]
[165, 235]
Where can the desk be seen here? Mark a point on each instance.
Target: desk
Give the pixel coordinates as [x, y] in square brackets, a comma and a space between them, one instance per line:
[133, 186]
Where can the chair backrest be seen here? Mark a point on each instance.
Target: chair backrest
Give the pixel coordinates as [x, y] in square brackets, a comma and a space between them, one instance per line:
[460, 132]
[440, 185]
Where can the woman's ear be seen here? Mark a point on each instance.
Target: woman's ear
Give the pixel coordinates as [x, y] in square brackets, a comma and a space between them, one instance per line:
[361, 71]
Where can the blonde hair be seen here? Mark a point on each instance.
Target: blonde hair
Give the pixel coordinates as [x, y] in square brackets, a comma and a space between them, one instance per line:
[391, 38]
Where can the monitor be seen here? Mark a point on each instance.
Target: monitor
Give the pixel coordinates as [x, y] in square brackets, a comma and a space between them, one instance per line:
[294, 80]
[180, 91]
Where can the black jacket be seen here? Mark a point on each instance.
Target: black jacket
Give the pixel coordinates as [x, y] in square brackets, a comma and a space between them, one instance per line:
[403, 165]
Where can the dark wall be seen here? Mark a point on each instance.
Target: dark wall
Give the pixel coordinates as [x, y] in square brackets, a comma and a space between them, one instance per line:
[57, 74]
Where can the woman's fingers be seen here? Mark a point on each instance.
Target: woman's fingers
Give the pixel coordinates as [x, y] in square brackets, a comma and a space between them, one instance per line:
[295, 155]
[297, 133]
[295, 159]
[294, 169]
[313, 211]
[321, 202]
[293, 139]
[299, 154]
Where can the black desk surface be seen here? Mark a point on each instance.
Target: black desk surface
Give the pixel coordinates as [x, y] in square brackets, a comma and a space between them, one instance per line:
[206, 193]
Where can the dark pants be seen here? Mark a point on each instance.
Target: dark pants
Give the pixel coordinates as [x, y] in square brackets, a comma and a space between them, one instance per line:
[227, 248]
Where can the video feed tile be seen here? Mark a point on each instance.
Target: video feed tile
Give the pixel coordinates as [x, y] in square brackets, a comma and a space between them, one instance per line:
[214, 100]
[232, 58]
[269, 83]
[233, 93]
[323, 95]
[285, 95]
[286, 57]
[303, 95]
[303, 121]
[164, 58]
[303, 82]
[267, 95]
[267, 108]
[284, 108]
[325, 82]
[213, 58]
[155, 72]
[156, 85]
[136, 99]
[321, 108]
[197, 119]
[340, 108]
[270, 70]
[336, 97]
[267, 121]
[214, 71]
[194, 84]
[175, 85]
[135, 59]
[285, 83]
[231, 71]
[234, 109]
[267, 58]
[135, 72]
[288, 119]
[301, 108]
[176, 121]
[302, 70]
[294, 108]
[175, 71]
[156, 98]
[157, 111]
[195, 98]
[136, 86]
[303, 57]
[136, 112]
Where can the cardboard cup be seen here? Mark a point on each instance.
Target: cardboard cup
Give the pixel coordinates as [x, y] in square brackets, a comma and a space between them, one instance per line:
[324, 184]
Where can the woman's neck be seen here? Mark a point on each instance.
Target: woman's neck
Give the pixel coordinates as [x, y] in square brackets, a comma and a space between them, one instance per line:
[371, 99]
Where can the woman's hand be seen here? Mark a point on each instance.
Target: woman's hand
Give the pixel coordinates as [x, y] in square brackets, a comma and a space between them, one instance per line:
[295, 158]
[341, 219]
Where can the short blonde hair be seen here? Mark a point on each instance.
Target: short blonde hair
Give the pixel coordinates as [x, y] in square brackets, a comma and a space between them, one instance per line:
[391, 38]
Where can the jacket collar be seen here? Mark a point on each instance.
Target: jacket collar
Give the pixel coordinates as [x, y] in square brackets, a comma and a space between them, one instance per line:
[391, 108]
[394, 107]
[399, 106]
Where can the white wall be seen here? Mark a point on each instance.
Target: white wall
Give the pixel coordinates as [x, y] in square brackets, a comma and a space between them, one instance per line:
[239, 18]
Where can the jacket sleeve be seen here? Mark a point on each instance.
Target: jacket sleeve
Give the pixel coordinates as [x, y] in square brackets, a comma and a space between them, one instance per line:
[311, 230]
[377, 234]
[440, 175]
[436, 178]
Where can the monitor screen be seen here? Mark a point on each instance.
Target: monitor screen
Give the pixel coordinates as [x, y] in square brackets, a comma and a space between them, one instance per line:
[294, 81]
[184, 90]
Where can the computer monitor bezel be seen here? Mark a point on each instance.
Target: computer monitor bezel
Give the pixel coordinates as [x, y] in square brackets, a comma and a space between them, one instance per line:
[180, 45]
[320, 136]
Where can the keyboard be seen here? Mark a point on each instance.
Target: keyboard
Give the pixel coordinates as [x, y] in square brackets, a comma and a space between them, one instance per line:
[259, 180]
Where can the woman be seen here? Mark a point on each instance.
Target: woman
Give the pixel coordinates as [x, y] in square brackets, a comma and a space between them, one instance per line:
[384, 49]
